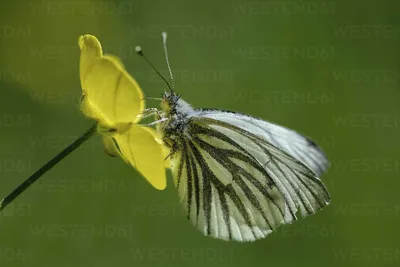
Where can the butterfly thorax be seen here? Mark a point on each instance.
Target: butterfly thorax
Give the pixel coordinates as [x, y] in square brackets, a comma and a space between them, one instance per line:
[177, 112]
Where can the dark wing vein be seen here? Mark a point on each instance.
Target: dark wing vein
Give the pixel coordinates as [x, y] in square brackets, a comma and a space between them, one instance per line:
[208, 177]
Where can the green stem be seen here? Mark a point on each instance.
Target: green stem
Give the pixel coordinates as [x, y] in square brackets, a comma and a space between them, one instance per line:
[46, 167]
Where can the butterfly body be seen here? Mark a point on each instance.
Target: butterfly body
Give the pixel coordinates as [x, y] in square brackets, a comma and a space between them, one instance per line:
[239, 177]
[177, 128]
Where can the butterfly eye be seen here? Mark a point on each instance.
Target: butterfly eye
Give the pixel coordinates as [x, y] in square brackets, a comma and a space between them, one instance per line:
[164, 104]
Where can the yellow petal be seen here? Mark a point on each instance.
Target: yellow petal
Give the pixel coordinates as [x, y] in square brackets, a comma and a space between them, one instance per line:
[112, 95]
[121, 64]
[110, 147]
[139, 146]
[166, 150]
[90, 50]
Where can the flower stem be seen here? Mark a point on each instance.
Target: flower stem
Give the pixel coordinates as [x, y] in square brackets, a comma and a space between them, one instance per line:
[46, 167]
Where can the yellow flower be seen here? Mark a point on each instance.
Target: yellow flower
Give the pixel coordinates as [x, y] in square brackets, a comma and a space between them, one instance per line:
[114, 99]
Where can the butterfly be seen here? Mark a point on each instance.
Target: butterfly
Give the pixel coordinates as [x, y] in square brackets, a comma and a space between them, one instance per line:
[238, 177]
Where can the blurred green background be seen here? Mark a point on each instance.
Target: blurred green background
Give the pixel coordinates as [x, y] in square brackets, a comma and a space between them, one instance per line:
[329, 69]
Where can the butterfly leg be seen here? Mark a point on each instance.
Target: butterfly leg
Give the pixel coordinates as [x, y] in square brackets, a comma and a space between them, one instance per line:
[149, 112]
[155, 122]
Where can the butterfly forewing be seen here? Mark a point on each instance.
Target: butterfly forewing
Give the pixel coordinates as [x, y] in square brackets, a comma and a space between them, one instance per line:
[293, 143]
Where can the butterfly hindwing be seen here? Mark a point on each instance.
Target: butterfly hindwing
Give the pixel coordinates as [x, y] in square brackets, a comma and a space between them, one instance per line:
[235, 185]
[221, 210]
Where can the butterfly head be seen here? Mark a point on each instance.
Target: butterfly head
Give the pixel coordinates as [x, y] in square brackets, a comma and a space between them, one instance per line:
[172, 104]
[169, 102]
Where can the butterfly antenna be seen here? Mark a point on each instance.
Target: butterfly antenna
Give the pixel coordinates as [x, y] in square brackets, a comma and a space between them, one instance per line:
[164, 39]
[139, 50]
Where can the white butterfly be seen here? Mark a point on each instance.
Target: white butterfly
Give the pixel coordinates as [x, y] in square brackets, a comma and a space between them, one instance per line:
[239, 177]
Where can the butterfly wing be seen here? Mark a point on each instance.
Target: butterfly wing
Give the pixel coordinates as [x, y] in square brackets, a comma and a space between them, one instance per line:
[235, 185]
[298, 146]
